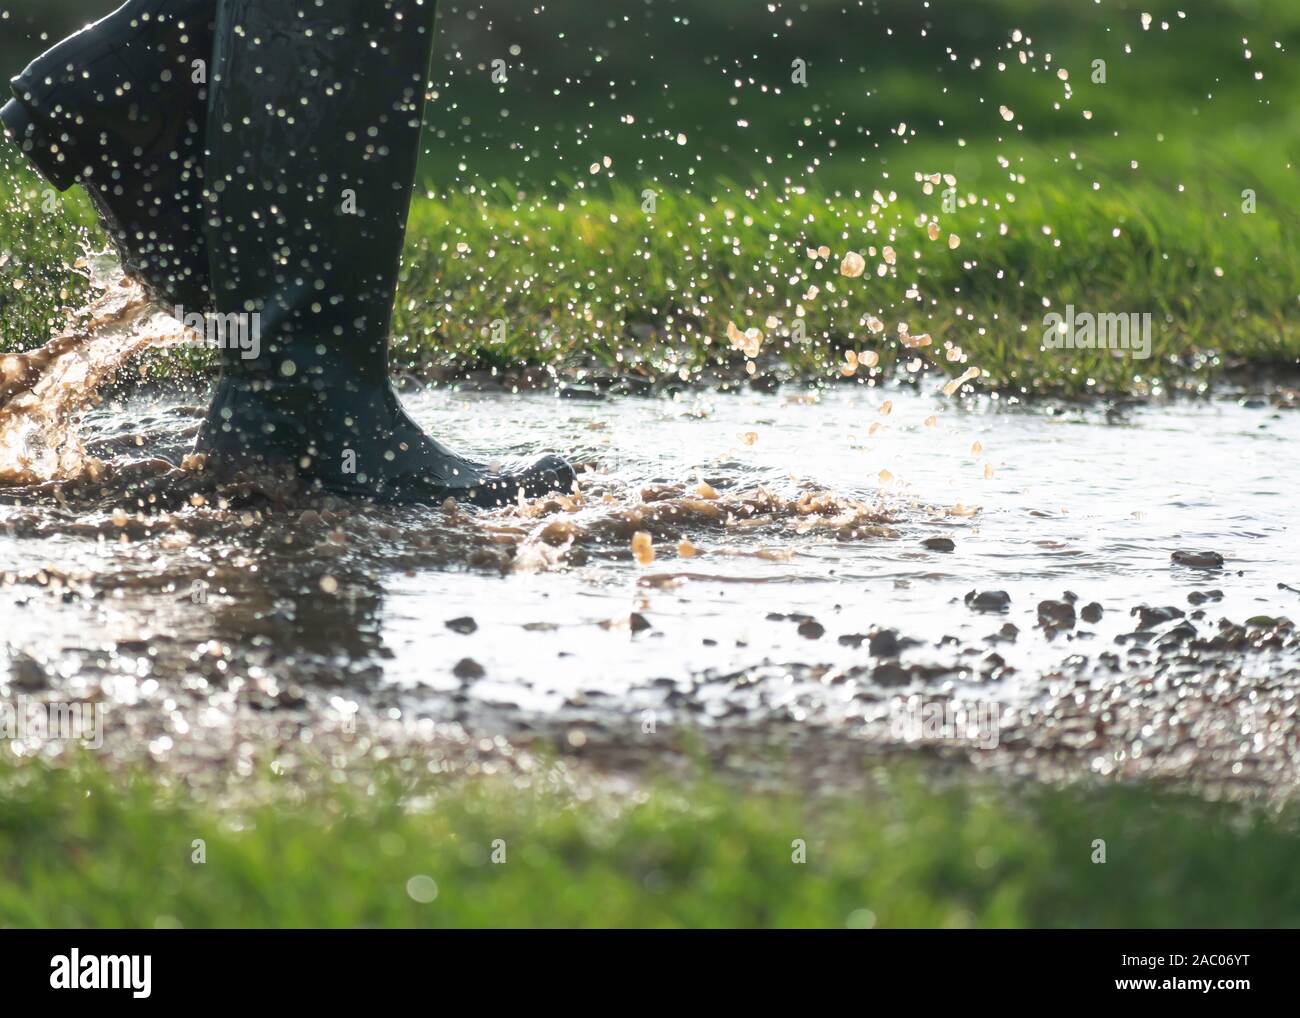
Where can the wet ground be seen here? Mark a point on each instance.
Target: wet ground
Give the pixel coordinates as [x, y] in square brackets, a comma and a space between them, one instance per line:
[802, 576]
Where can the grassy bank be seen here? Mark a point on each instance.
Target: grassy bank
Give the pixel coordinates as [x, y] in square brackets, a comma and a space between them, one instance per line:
[80, 847]
[595, 285]
[599, 282]
[608, 211]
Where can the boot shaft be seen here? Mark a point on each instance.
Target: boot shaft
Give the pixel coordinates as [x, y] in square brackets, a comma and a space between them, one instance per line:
[314, 126]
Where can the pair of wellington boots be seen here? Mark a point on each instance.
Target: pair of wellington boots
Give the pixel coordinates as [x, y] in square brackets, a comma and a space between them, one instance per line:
[252, 161]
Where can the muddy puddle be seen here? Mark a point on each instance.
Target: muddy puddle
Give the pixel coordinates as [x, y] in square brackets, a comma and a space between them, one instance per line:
[1065, 591]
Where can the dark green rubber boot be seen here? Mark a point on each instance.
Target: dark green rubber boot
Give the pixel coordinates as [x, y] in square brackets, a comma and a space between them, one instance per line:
[120, 108]
[314, 128]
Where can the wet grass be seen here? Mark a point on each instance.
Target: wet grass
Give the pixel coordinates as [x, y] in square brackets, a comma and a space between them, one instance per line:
[597, 283]
[519, 255]
[79, 847]
[596, 286]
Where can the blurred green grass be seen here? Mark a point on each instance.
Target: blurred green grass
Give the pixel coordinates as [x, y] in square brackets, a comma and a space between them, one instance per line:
[82, 847]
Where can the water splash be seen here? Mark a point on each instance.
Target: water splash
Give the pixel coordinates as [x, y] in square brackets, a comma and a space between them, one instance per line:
[44, 392]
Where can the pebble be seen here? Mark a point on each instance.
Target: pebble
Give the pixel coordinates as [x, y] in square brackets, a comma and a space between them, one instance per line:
[1179, 633]
[26, 673]
[988, 600]
[463, 625]
[939, 543]
[581, 392]
[884, 643]
[1198, 559]
[1149, 618]
[468, 668]
[891, 673]
[1056, 614]
[791, 617]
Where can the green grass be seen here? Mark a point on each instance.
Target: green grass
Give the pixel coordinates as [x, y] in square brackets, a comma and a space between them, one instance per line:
[596, 285]
[81, 847]
[569, 283]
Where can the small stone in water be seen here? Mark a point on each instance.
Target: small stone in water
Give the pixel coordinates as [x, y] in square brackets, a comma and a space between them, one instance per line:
[939, 543]
[463, 625]
[638, 622]
[1198, 559]
[468, 668]
[884, 643]
[988, 600]
[1149, 618]
[1091, 612]
[26, 673]
[1056, 614]
[811, 629]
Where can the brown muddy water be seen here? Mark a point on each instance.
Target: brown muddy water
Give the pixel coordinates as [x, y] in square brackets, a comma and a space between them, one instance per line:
[827, 574]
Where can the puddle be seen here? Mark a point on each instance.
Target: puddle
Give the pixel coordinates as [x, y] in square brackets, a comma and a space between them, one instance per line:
[810, 598]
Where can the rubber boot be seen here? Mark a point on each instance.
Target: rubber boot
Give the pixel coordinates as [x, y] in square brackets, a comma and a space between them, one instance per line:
[314, 128]
[120, 108]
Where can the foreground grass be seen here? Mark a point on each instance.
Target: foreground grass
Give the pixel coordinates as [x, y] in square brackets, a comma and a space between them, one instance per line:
[81, 848]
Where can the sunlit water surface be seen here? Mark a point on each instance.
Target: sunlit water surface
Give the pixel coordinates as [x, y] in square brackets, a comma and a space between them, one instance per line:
[1052, 502]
